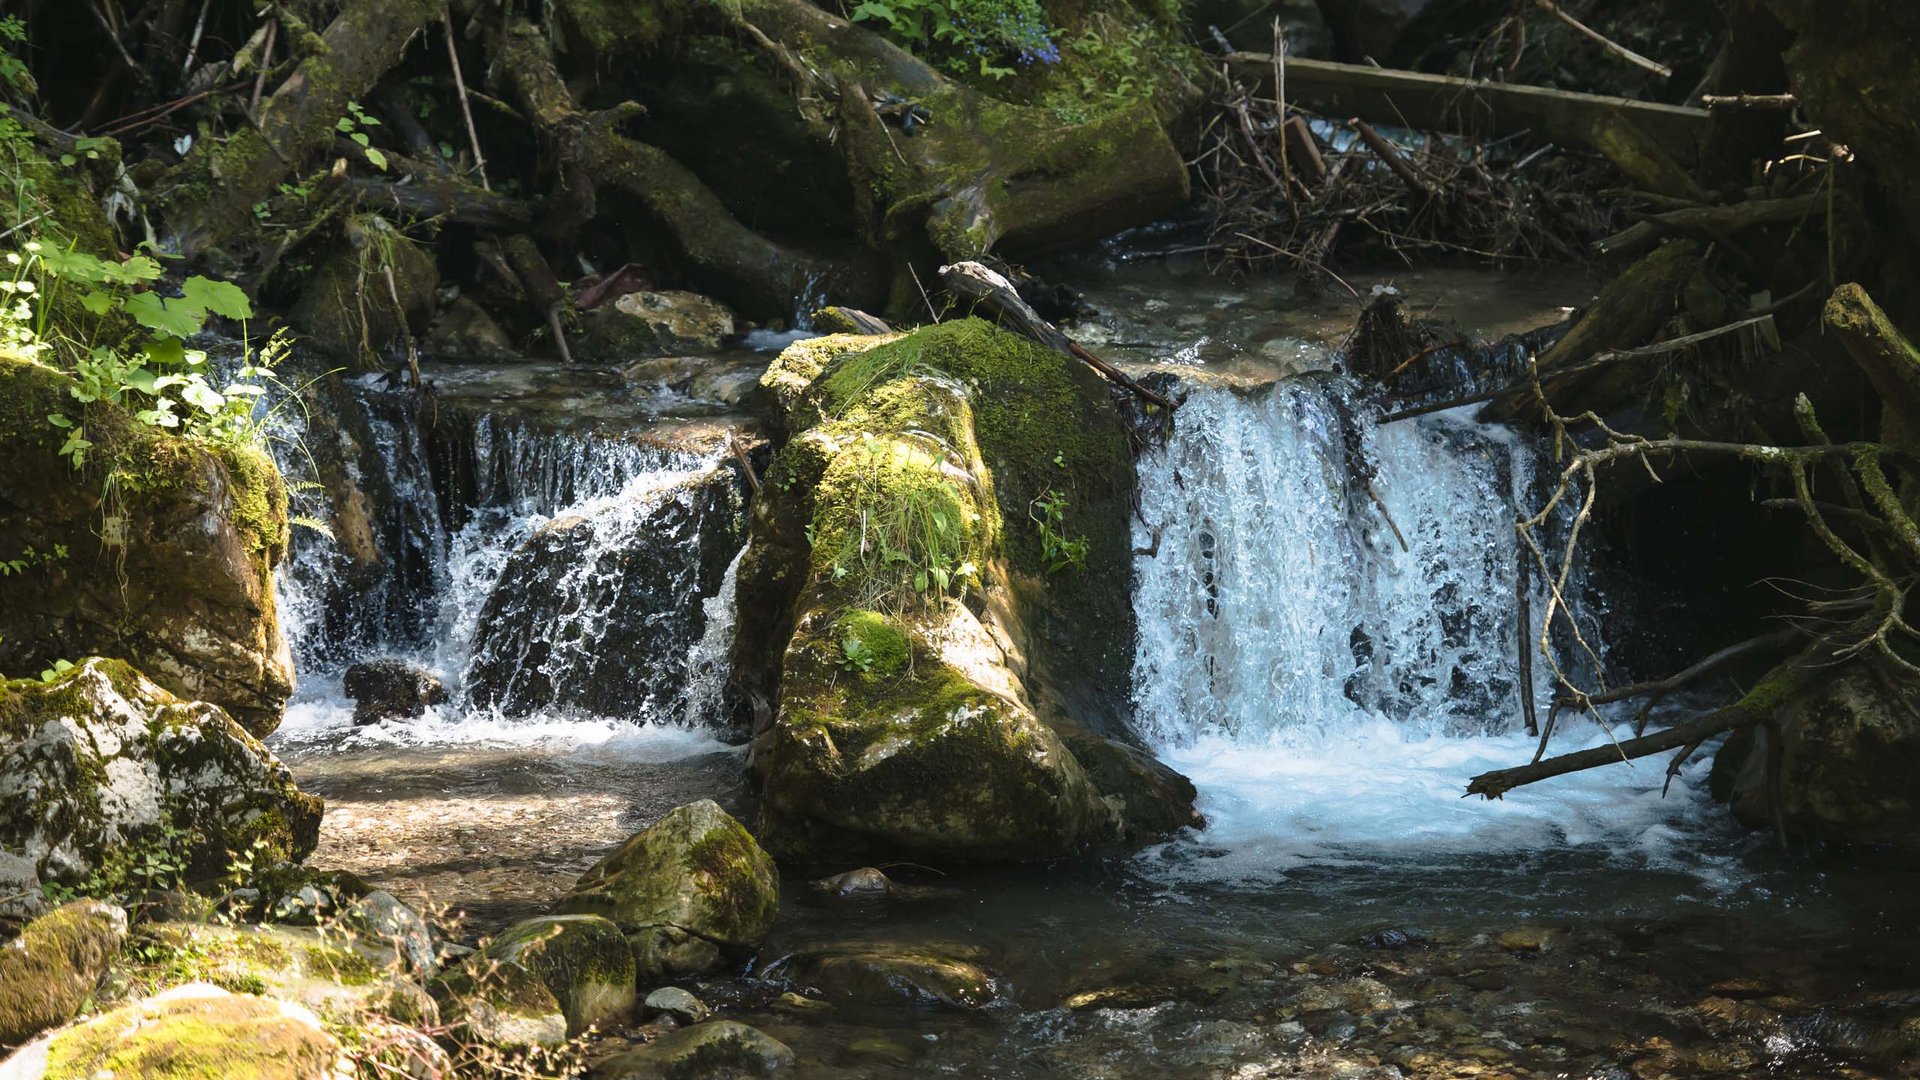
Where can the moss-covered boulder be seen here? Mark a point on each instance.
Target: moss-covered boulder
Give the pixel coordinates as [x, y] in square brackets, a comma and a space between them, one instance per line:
[189, 1032]
[944, 547]
[348, 309]
[584, 960]
[341, 979]
[99, 766]
[689, 892]
[53, 965]
[500, 1003]
[711, 1051]
[1849, 762]
[161, 550]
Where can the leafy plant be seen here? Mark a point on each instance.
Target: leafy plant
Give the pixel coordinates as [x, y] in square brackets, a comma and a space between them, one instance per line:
[969, 32]
[59, 668]
[855, 655]
[31, 558]
[901, 531]
[1060, 550]
[353, 126]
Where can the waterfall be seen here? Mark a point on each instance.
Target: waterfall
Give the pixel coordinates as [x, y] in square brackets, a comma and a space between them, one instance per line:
[543, 573]
[1327, 640]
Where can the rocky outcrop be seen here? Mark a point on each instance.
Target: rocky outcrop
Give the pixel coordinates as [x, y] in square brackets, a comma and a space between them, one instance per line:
[589, 611]
[641, 324]
[944, 547]
[391, 690]
[100, 764]
[1849, 762]
[583, 959]
[51, 968]
[693, 889]
[171, 569]
[194, 1030]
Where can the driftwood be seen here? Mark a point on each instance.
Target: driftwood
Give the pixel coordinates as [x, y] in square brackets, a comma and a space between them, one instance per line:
[1474, 106]
[987, 290]
[1711, 222]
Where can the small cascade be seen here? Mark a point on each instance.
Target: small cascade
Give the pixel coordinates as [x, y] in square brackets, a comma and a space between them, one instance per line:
[1327, 640]
[1312, 568]
[540, 572]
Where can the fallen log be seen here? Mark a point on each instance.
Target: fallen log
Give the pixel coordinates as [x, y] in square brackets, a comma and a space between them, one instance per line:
[1710, 222]
[1472, 106]
[442, 197]
[1496, 784]
[986, 289]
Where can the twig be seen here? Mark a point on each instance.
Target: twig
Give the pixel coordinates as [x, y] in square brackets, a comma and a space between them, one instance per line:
[466, 110]
[1750, 101]
[1379, 145]
[266, 61]
[1617, 49]
[193, 45]
[400, 313]
[746, 464]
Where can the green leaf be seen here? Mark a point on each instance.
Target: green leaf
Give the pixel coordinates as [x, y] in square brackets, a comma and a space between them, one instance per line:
[343, 124]
[203, 397]
[166, 352]
[223, 298]
[377, 159]
[59, 421]
[97, 302]
[140, 379]
[153, 312]
[360, 137]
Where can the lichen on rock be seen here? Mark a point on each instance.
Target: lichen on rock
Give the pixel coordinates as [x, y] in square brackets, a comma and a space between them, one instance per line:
[584, 960]
[190, 1032]
[100, 762]
[50, 968]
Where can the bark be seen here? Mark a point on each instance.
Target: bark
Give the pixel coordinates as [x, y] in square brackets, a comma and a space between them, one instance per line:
[1891, 362]
[212, 193]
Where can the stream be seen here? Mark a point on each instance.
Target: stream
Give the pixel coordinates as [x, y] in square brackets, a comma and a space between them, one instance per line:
[1328, 671]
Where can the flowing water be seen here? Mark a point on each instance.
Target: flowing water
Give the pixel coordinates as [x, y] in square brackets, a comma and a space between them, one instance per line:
[1328, 633]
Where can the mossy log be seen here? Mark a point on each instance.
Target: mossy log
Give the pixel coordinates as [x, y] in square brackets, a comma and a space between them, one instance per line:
[1891, 362]
[210, 196]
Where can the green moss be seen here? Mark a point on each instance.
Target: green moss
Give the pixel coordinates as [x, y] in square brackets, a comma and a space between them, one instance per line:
[210, 1038]
[731, 862]
[879, 649]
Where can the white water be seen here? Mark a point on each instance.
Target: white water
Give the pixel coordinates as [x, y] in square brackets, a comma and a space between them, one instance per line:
[513, 480]
[1331, 693]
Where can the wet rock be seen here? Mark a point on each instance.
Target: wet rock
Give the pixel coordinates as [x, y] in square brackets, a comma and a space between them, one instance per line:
[101, 763]
[391, 690]
[586, 608]
[687, 892]
[501, 1003]
[884, 1051]
[799, 1003]
[864, 882]
[1527, 939]
[195, 1030]
[346, 308]
[583, 959]
[47, 971]
[1361, 997]
[711, 1051]
[652, 324]
[464, 331]
[177, 580]
[679, 1004]
[876, 974]
[383, 918]
[1394, 938]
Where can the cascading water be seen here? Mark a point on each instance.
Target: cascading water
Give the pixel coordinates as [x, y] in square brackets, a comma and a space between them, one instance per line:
[548, 576]
[1327, 635]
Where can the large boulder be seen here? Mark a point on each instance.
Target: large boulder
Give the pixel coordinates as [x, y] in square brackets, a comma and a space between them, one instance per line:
[584, 960]
[194, 1030]
[688, 892]
[594, 610]
[100, 764]
[172, 568]
[943, 547]
[53, 965]
[391, 690]
[501, 1003]
[1849, 762]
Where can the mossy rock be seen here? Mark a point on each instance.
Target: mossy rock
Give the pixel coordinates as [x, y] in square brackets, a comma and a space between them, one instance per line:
[51, 968]
[347, 309]
[788, 377]
[925, 715]
[584, 960]
[880, 974]
[500, 1003]
[1849, 761]
[711, 1051]
[689, 891]
[173, 571]
[642, 324]
[341, 980]
[193, 1032]
[99, 766]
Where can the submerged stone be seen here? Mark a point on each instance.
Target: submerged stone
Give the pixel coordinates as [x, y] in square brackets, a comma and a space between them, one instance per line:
[687, 892]
[584, 960]
[100, 764]
[711, 1051]
[50, 968]
[879, 974]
